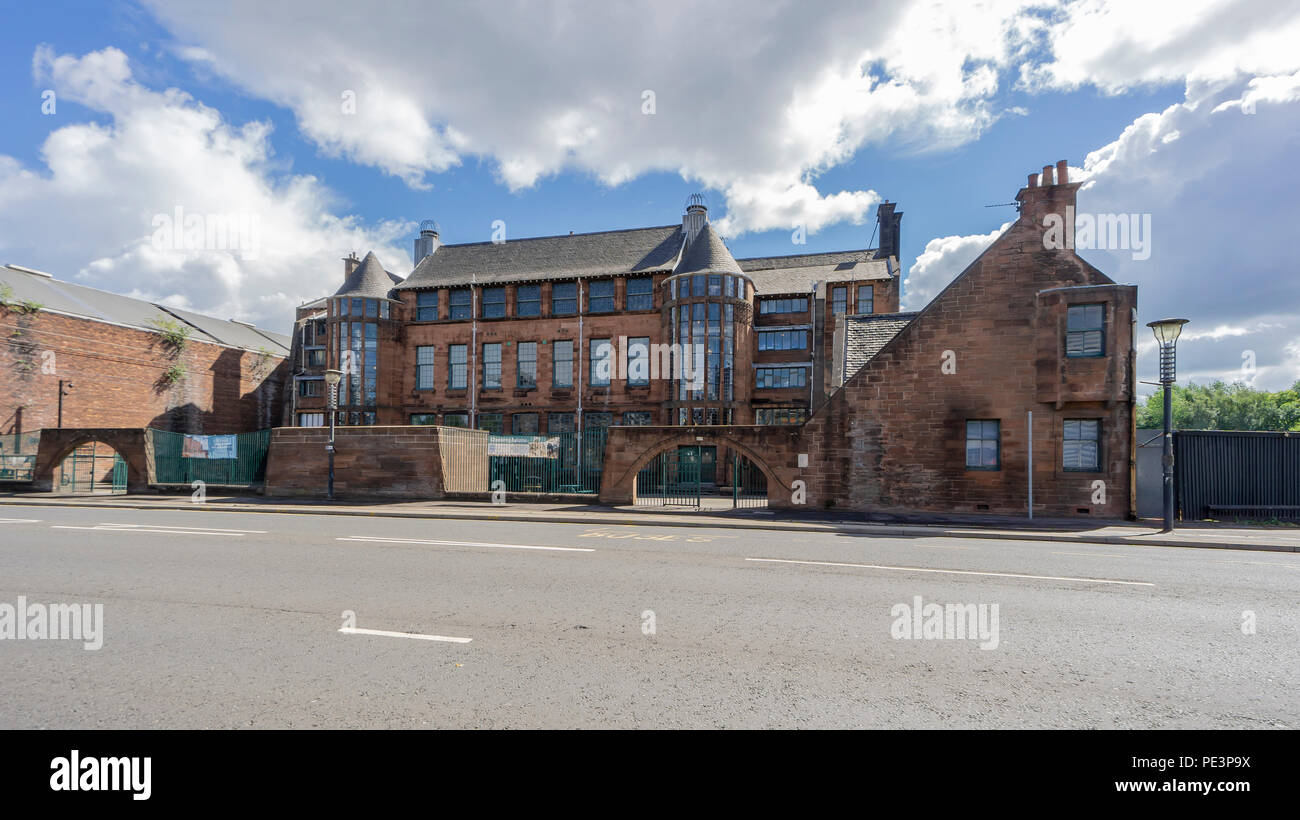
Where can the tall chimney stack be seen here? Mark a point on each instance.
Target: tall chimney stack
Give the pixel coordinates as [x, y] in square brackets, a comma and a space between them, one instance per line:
[1047, 176]
[1062, 172]
[350, 263]
[889, 227]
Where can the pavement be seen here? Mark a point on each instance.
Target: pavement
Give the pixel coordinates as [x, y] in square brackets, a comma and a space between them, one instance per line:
[1189, 534]
[274, 620]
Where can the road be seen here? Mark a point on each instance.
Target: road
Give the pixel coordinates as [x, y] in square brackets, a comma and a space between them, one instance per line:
[232, 620]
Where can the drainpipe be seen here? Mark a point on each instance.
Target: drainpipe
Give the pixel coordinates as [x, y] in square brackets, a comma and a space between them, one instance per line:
[473, 344]
[579, 385]
[813, 343]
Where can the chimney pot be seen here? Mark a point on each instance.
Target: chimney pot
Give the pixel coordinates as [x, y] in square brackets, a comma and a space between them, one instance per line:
[1062, 172]
[1033, 181]
[1047, 176]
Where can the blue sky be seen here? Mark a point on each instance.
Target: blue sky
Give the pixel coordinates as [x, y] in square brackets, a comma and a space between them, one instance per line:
[534, 114]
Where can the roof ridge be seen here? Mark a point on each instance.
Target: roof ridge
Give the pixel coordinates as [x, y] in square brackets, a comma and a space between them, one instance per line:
[556, 236]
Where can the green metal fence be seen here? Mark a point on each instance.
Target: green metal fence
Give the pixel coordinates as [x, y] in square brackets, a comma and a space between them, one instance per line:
[556, 463]
[238, 459]
[92, 467]
[671, 479]
[18, 455]
[748, 483]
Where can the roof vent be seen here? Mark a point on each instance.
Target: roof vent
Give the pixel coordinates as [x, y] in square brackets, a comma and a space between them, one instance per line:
[427, 242]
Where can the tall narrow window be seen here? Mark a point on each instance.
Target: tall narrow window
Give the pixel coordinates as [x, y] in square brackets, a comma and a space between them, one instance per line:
[523, 424]
[459, 303]
[640, 294]
[839, 301]
[1081, 445]
[424, 367]
[983, 440]
[526, 365]
[602, 359]
[600, 296]
[528, 300]
[564, 298]
[638, 360]
[1085, 331]
[492, 366]
[562, 363]
[426, 306]
[458, 372]
[494, 303]
[866, 299]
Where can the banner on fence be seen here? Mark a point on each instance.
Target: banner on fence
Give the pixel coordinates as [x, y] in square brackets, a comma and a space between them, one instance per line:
[210, 447]
[524, 446]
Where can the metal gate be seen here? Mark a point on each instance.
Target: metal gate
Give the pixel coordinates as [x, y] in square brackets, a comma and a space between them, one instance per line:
[93, 468]
[671, 479]
[689, 476]
[748, 483]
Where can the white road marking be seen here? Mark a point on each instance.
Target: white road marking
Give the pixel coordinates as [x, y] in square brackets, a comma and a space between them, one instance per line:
[20, 520]
[378, 540]
[1093, 554]
[942, 547]
[161, 529]
[349, 630]
[953, 572]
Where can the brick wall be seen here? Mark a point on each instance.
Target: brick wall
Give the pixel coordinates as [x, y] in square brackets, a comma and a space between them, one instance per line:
[893, 439]
[397, 462]
[117, 377]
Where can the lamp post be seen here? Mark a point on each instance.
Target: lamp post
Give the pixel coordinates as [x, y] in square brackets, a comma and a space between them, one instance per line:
[1167, 331]
[332, 378]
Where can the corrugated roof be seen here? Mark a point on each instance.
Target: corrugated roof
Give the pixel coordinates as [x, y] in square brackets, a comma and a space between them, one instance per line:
[638, 250]
[866, 334]
[100, 305]
[798, 273]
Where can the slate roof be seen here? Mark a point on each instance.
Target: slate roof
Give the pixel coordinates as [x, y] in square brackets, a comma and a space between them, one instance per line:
[865, 335]
[637, 250]
[99, 305]
[798, 273]
[708, 253]
[368, 279]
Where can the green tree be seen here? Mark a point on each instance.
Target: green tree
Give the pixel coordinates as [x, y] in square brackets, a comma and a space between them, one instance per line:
[1221, 406]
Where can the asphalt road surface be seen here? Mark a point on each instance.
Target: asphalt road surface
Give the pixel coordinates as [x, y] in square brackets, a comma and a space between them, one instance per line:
[232, 620]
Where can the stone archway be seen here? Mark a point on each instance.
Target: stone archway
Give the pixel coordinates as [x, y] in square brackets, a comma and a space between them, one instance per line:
[628, 449]
[57, 444]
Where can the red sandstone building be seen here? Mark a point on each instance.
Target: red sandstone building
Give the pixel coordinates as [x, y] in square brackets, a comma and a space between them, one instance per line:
[563, 333]
[1017, 380]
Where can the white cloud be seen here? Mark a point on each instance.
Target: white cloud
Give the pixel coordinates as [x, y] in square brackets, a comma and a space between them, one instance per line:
[752, 101]
[90, 211]
[940, 262]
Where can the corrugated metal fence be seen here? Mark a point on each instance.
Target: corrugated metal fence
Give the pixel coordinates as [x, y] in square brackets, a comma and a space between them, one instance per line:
[18, 455]
[235, 460]
[1237, 475]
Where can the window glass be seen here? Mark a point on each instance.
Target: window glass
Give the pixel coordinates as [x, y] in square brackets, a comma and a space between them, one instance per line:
[562, 363]
[560, 423]
[638, 360]
[524, 423]
[600, 294]
[526, 365]
[492, 422]
[839, 301]
[866, 299]
[784, 305]
[426, 306]
[492, 365]
[699, 284]
[459, 303]
[528, 300]
[455, 419]
[424, 418]
[778, 377]
[781, 415]
[424, 356]
[1085, 331]
[494, 303]
[564, 298]
[372, 308]
[458, 372]
[715, 284]
[1081, 445]
[782, 339]
[640, 293]
[602, 360]
[637, 418]
[983, 438]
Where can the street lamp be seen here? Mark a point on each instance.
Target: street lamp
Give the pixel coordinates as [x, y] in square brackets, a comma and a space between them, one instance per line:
[332, 378]
[1167, 331]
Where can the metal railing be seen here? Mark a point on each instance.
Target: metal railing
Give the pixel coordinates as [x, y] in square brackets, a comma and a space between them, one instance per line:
[237, 460]
[18, 455]
[555, 463]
